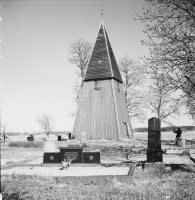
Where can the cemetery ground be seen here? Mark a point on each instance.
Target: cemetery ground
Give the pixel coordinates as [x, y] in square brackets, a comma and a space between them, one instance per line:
[154, 181]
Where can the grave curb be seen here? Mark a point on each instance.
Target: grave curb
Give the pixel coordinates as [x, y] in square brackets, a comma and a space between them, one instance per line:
[192, 154]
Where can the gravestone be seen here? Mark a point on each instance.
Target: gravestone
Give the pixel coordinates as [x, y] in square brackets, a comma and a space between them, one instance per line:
[59, 138]
[83, 137]
[183, 142]
[71, 153]
[154, 152]
[30, 137]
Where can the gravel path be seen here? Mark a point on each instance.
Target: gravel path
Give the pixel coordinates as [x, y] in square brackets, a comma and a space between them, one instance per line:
[73, 171]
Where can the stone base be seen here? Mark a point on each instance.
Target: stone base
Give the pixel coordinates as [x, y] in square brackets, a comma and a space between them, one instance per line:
[154, 155]
[91, 157]
[73, 154]
[51, 157]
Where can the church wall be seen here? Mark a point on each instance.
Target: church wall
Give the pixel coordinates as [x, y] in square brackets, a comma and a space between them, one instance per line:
[122, 109]
[96, 114]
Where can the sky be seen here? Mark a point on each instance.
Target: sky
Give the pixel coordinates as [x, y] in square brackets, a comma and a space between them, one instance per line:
[35, 38]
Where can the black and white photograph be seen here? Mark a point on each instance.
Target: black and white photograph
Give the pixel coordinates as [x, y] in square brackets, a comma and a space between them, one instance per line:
[97, 99]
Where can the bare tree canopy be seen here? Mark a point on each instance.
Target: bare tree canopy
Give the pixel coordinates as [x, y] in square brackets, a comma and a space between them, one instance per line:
[46, 122]
[133, 75]
[162, 102]
[79, 54]
[170, 26]
[3, 128]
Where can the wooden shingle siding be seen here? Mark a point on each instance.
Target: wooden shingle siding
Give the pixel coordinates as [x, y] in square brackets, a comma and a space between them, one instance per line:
[97, 112]
[115, 69]
[99, 66]
[122, 108]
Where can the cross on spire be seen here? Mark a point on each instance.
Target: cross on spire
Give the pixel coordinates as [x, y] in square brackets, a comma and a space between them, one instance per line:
[102, 12]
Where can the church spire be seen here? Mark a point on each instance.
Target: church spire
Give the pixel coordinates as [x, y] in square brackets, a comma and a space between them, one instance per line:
[102, 64]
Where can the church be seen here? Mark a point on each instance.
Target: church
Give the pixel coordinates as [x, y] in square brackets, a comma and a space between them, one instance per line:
[102, 112]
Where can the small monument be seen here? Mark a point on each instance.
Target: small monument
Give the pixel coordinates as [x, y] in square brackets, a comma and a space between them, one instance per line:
[52, 154]
[154, 152]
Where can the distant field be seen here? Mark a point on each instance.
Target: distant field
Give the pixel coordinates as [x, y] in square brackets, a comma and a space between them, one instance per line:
[36, 137]
[166, 135]
[139, 135]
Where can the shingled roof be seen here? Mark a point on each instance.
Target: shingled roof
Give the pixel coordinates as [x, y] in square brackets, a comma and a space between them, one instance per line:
[102, 64]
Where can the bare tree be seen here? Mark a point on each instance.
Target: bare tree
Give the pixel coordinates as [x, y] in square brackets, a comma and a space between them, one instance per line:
[46, 122]
[163, 103]
[170, 26]
[79, 54]
[133, 74]
[3, 131]
[190, 103]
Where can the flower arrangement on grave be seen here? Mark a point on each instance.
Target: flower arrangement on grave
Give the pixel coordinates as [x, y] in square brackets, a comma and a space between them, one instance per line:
[67, 160]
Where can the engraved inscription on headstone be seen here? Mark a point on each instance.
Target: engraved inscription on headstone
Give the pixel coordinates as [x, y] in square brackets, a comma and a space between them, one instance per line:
[73, 154]
[70, 156]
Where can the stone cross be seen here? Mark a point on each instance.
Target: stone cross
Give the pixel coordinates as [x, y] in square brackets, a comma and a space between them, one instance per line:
[154, 152]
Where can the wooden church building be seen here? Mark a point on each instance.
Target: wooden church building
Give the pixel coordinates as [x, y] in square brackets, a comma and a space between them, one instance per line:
[102, 112]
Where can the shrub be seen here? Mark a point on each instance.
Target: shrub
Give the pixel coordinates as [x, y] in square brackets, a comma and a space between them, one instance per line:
[27, 144]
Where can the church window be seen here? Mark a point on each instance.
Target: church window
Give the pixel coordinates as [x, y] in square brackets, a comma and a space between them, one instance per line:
[97, 85]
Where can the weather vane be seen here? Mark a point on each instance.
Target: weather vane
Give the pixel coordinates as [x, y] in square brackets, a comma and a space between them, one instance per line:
[102, 13]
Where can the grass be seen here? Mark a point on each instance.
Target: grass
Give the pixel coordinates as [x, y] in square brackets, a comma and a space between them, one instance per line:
[153, 183]
[27, 144]
[14, 153]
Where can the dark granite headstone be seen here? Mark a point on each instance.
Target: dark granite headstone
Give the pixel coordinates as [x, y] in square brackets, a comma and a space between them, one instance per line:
[51, 157]
[69, 153]
[154, 155]
[59, 138]
[154, 152]
[30, 138]
[91, 157]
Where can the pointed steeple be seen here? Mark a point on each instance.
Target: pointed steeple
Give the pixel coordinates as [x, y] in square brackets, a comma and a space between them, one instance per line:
[102, 64]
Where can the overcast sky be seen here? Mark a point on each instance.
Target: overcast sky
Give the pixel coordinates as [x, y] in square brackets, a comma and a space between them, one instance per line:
[35, 37]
